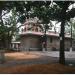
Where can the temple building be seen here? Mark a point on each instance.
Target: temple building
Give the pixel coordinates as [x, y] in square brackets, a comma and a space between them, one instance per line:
[32, 37]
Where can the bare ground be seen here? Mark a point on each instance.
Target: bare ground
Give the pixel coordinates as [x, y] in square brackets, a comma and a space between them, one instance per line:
[38, 69]
[21, 56]
[51, 68]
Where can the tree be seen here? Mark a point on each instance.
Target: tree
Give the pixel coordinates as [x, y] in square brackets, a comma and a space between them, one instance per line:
[6, 29]
[63, 17]
[5, 38]
[71, 25]
[42, 11]
[11, 26]
[59, 12]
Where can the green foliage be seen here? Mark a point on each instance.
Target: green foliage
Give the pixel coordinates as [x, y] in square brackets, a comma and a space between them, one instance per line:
[72, 22]
[8, 29]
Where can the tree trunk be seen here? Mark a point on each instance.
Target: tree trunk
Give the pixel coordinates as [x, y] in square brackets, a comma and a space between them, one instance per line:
[45, 40]
[71, 40]
[62, 48]
[8, 41]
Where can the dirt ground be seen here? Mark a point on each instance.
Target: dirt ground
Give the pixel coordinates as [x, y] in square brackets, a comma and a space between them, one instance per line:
[51, 68]
[38, 69]
[21, 56]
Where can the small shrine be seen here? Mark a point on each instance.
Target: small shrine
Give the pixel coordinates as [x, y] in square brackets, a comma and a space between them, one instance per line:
[31, 37]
